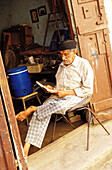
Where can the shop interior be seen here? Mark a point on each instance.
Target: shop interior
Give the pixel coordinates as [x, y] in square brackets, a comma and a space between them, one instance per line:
[30, 40]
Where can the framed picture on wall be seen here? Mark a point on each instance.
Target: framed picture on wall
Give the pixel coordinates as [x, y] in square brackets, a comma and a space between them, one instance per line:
[42, 10]
[34, 15]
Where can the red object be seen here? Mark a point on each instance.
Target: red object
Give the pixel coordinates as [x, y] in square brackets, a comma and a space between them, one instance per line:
[37, 25]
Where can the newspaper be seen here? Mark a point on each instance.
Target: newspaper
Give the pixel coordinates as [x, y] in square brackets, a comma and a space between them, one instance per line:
[49, 90]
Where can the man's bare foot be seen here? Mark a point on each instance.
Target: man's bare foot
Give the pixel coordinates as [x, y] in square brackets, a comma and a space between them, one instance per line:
[24, 114]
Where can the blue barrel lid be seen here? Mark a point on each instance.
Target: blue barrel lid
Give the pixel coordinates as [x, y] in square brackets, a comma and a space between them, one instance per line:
[17, 69]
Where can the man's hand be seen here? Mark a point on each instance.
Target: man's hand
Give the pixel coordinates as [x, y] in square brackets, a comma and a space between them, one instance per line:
[49, 87]
[62, 93]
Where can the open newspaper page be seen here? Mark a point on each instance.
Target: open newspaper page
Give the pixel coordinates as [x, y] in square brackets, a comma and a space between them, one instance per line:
[49, 90]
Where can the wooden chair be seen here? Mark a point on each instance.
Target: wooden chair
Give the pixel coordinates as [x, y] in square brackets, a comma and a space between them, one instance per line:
[83, 105]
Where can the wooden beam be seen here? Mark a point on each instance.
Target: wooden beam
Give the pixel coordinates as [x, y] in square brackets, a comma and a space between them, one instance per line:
[102, 105]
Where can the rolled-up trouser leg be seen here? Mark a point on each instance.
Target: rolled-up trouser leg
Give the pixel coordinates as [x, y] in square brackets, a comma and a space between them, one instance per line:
[36, 131]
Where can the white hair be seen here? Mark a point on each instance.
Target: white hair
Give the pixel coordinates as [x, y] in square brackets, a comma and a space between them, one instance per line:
[72, 50]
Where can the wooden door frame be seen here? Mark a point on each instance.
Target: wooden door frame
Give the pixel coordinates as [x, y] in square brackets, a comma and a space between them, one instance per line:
[11, 120]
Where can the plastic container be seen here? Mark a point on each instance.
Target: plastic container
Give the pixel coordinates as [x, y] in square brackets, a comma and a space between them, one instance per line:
[55, 39]
[19, 81]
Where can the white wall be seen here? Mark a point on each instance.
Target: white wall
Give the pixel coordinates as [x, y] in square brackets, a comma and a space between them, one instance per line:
[14, 12]
[108, 10]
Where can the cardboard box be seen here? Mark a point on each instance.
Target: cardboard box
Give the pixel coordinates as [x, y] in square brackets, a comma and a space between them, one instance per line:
[73, 118]
[33, 68]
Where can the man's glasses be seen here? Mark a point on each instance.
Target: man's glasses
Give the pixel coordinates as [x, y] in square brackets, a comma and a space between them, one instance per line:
[66, 54]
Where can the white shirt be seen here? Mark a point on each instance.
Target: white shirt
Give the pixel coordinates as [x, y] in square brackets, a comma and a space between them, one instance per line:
[77, 76]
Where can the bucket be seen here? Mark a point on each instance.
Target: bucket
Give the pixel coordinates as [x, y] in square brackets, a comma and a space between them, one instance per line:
[19, 81]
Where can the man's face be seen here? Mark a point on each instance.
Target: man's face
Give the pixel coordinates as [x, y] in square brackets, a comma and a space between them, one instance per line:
[67, 56]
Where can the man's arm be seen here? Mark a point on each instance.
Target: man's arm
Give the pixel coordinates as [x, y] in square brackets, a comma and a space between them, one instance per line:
[87, 82]
[62, 93]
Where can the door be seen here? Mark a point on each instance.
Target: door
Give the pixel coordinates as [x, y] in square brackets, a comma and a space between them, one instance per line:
[93, 37]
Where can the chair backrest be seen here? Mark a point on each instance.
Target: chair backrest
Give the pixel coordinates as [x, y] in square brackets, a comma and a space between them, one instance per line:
[84, 102]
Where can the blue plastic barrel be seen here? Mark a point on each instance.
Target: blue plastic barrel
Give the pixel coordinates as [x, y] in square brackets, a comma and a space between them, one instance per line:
[19, 81]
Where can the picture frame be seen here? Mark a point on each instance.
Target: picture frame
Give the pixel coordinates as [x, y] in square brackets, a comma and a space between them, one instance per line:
[34, 15]
[42, 10]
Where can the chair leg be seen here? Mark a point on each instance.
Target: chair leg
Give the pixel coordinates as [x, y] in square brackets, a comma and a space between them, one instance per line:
[25, 109]
[100, 122]
[54, 127]
[90, 111]
[88, 131]
[67, 121]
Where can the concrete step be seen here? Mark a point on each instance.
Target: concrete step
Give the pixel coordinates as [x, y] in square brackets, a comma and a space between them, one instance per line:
[69, 152]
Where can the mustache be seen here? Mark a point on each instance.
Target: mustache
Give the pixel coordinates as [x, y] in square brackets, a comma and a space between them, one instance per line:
[66, 60]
